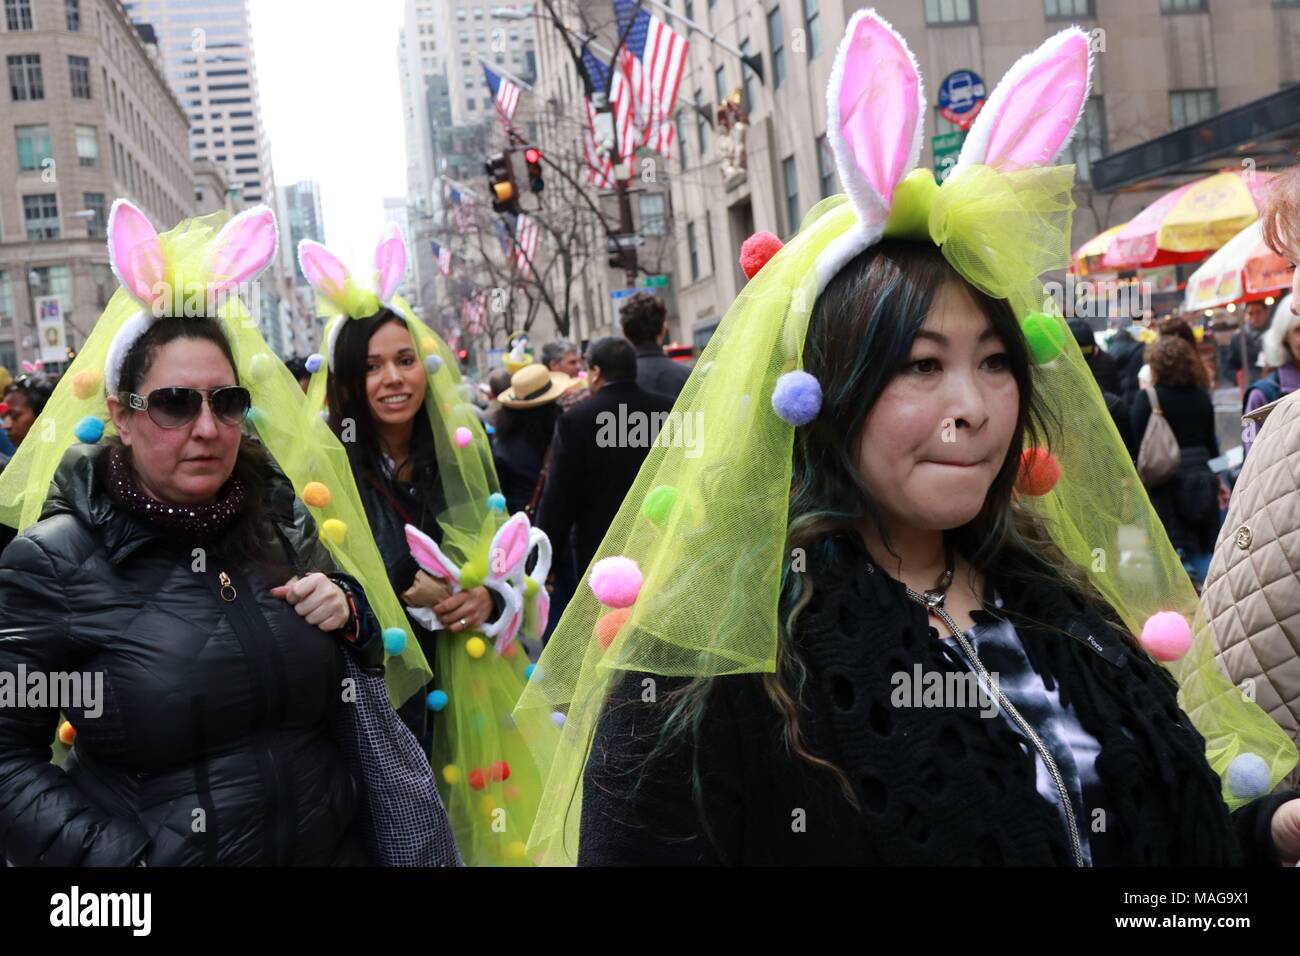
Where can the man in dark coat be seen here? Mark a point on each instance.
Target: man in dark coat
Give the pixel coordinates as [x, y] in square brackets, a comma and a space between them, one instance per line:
[598, 449]
[643, 320]
[1127, 353]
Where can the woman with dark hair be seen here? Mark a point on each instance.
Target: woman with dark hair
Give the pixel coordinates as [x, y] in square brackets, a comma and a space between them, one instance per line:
[1187, 503]
[423, 469]
[846, 633]
[23, 401]
[178, 580]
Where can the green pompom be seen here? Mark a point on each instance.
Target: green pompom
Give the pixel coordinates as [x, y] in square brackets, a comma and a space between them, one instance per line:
[530, 587]
[1045, 336]
[659, 503]
[473, 574]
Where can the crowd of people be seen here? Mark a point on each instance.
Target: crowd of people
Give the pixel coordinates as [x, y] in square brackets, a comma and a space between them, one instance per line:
[355, 609]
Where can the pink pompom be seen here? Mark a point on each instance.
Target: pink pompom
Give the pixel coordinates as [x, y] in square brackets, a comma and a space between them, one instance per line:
[463, 437]
[1167, 636]
[616, 581]
[756, 250]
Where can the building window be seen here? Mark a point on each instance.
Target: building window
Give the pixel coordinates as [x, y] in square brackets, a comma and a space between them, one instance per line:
[720, 82]
[461, 14]
[748, 79]
[776, 39]
[18, 15]
[693, 250]
[25, 82]
[33, 146]
[79, 71]
[6, 302]
[1191, 106]
[701, 125]
[812, 19]
[72, 10]
[1067, 9]
[1182, 6]
[681, 139]
[690, 10]
[96, 225]
[1089, 143]
[790, 179]
[946, 12]
[825, 167]
[654, 214]
[41, 213]
[87, 146]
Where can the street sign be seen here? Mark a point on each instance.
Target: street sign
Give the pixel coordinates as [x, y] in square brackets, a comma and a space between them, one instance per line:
[945, 148]
[629, 240]
[656, 281]
[961, 96]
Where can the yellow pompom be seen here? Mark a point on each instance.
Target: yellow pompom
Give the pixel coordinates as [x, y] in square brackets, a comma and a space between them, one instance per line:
[334, 529]
[475, 647]
[451, 774]
[316, 494]
[487, 805]
[515, 850]
[67, 734]
[427, 345]
[85, 384]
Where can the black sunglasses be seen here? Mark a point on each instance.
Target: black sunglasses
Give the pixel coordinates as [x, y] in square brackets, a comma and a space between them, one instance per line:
[177, 406]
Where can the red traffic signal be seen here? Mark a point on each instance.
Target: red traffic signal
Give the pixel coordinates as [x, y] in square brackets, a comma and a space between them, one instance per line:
[533, 158]
[463, 354]
[532, 155]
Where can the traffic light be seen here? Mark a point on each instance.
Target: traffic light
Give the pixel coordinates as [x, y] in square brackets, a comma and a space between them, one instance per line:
[533, 157]
[463, 355]
[501, 177]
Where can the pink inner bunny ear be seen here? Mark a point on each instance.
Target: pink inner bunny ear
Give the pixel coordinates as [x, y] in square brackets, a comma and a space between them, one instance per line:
[428, 555]
[511, 543]
[874, 113]
[390, 263]
[245, 246]
[1031, 115]
[134, 251]
[324, 270]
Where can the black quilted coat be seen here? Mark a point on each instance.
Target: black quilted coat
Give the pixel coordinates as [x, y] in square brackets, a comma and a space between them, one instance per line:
[214, 743]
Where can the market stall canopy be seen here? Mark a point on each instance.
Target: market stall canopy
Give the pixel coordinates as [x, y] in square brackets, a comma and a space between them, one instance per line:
[1245, 268]
[1200, 216]
[1089, 258]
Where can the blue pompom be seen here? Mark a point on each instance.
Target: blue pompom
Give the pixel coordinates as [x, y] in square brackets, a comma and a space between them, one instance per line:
[394, 640]
[497, 501]
[1248, 776]
[432, 363]
[490, 430]
[314, 362]
[89, 430]
[255, 417]
[557, 718]
[797, 397]
[529, 671]
[437, 699]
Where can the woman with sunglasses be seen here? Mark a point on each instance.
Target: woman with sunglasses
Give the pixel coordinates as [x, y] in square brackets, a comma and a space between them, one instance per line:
[174, 573]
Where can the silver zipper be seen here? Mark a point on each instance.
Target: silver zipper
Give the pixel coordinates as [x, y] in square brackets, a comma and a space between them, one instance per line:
[1072, 827]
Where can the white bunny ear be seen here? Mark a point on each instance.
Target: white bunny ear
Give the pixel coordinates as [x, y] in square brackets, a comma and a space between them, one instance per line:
[875, 113]
[245, 246]
[390, 263]
[1031, 116]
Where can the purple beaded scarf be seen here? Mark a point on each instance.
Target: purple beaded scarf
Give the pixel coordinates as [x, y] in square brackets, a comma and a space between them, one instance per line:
[194, 522]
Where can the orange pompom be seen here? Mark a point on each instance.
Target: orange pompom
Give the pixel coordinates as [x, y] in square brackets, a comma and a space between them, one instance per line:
[67, 734]
[478, 778]
[608, 626]
[756, 250]
[316, 494]
[1039, 472]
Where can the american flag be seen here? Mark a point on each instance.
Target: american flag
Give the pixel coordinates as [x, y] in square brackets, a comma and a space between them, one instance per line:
[464, 211]
[473, 312]
[443, 255]
[625, 128]
[653, 58]
[504, 93]
[526, 236]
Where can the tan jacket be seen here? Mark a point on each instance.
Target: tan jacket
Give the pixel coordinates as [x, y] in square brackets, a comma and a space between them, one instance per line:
[1252, 592]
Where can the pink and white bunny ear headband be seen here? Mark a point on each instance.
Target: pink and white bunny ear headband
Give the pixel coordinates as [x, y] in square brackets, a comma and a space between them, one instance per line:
[338, 293]
[240, 252]
[875, 119]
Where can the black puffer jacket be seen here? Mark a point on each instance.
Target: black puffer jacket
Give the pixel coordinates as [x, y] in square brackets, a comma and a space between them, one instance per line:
[212, 746]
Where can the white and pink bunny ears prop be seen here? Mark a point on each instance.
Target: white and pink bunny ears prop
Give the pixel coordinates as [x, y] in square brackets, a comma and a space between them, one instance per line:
[330, 277]
[509, 551]
[243, 248]
[875, 119]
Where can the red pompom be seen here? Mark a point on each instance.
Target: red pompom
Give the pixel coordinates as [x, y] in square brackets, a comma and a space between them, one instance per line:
[756, 250]
[4, 408]
[478, 778]
[1039, 472]
[500, 770]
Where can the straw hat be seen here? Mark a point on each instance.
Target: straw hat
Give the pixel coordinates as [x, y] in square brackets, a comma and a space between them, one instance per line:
[534, 385]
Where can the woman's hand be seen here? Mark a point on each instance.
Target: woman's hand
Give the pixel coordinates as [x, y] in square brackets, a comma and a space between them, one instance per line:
[1286, 832]
[316, 598]
[426, 591]
[466, 611]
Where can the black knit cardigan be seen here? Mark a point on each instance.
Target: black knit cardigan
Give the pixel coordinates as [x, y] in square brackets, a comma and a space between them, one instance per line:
[933, 786]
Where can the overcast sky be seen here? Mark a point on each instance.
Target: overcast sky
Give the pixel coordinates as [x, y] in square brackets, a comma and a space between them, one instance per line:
[327, 71]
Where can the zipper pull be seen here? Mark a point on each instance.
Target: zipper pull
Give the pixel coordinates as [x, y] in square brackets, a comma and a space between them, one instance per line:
[224, 578]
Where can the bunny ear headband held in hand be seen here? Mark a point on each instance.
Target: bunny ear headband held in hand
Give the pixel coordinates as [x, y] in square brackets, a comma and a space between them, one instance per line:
[688, 579]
